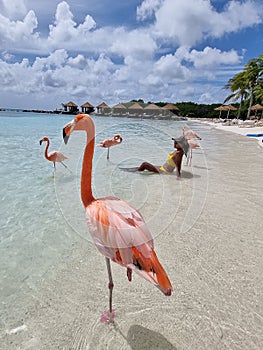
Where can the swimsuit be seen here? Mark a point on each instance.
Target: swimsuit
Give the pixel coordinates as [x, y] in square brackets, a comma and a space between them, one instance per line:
[169, 166]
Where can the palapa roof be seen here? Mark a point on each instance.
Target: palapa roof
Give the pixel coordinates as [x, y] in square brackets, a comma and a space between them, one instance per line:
[103, 105]
[87, 105]
[136, 106]
[152, 106]
[70, 104]
[226, 108]
[120, 106]
[232, 108]
[170, 107]
[221, 108]
[256, 107]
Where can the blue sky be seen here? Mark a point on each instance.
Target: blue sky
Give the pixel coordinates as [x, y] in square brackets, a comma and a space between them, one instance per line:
[52, 51]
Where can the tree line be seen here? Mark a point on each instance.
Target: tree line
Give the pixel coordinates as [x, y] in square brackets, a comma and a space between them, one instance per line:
[246, 90]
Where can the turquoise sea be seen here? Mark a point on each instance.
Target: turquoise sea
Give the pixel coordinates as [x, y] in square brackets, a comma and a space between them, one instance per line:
[41, 213]
[206, 227]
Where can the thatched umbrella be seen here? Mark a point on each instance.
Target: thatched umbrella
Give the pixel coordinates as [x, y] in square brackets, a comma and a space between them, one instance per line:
[220, 108]
[225, 108]
[256, 108]
[230, 108]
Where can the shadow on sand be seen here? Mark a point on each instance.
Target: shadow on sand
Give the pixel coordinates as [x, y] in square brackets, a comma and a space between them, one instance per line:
[141, 338]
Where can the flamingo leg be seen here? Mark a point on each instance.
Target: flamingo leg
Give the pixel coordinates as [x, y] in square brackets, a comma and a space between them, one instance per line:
[129, 274]
[64, 164]
[110, 285]
[108, 316]
[108, 153]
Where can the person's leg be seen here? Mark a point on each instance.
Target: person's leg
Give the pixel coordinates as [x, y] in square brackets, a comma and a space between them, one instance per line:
[148, 166]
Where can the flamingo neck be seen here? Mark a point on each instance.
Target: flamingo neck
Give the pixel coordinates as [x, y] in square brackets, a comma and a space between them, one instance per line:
[86, 175]
[46, 149]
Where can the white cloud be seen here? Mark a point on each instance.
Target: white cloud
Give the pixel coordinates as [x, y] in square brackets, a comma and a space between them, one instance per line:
[77, 59]
[18, 32]
[188, 22]
[14, 9]
[136, 43]
[212, 57]
[148, 8]
[171, 69]
[65, 29]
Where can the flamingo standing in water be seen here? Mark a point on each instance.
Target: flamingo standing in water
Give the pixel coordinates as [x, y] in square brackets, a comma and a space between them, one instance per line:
[190, 135]
[54, 156]
[116, 140]
[117, 229]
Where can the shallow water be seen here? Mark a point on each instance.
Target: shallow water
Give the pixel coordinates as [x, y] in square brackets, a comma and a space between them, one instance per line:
[41, 213]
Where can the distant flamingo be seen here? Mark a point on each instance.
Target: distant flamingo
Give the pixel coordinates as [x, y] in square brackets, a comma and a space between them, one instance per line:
[190, 135]
[116, 140]
[54, 156]
[118, 230]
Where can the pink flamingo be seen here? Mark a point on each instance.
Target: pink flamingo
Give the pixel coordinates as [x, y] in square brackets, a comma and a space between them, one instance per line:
[117, 229]
[190, 135]
[116, 140]
[54, 156]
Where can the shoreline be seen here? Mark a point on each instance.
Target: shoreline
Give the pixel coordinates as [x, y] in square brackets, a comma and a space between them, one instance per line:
[236, 129]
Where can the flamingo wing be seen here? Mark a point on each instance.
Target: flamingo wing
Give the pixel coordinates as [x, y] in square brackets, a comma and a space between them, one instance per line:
[120, 233]
[56, 156]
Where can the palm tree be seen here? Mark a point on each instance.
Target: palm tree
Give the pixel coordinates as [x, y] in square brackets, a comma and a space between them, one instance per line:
[254, 73]
[238, 85]
[259, 93]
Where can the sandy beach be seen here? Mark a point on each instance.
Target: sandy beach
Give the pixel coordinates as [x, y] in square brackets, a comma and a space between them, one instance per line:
[241, 129]
[210, 243]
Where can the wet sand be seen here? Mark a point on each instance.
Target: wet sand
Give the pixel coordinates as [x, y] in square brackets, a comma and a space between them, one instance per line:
[211, 246]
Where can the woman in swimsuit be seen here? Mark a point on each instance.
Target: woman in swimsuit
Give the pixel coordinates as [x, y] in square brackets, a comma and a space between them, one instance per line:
[174, 159]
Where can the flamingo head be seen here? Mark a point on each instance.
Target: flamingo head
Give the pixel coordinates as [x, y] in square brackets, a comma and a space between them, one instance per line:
[76, 124]
[44, 139]
[118, 138]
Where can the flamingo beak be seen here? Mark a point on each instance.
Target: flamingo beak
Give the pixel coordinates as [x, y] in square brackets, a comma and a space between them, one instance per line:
[40, 142]
[67, 130]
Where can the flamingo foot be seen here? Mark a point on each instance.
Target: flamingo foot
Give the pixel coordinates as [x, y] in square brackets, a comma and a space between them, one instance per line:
[107, 316]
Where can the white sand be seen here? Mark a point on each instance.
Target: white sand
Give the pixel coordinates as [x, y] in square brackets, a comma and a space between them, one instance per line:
[237, 129]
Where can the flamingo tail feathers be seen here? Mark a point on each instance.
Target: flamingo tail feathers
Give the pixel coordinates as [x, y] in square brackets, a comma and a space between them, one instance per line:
[150, 268]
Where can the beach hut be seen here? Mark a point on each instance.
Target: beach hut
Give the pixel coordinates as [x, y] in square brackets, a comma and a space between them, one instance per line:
[70, 107]
[103, 108]
[170, 108]
[152, 109]
[135, 110]
[119, 109]
[87, 108]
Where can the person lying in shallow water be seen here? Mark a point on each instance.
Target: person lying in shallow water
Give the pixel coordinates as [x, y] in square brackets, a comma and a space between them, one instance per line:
[174, 160]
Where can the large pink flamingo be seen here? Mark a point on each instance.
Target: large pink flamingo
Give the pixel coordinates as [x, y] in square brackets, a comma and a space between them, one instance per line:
[116, 140]
[54, 156]
[118, 230]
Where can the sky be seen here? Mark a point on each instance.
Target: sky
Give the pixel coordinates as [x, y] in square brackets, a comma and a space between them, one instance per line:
[53, 52]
